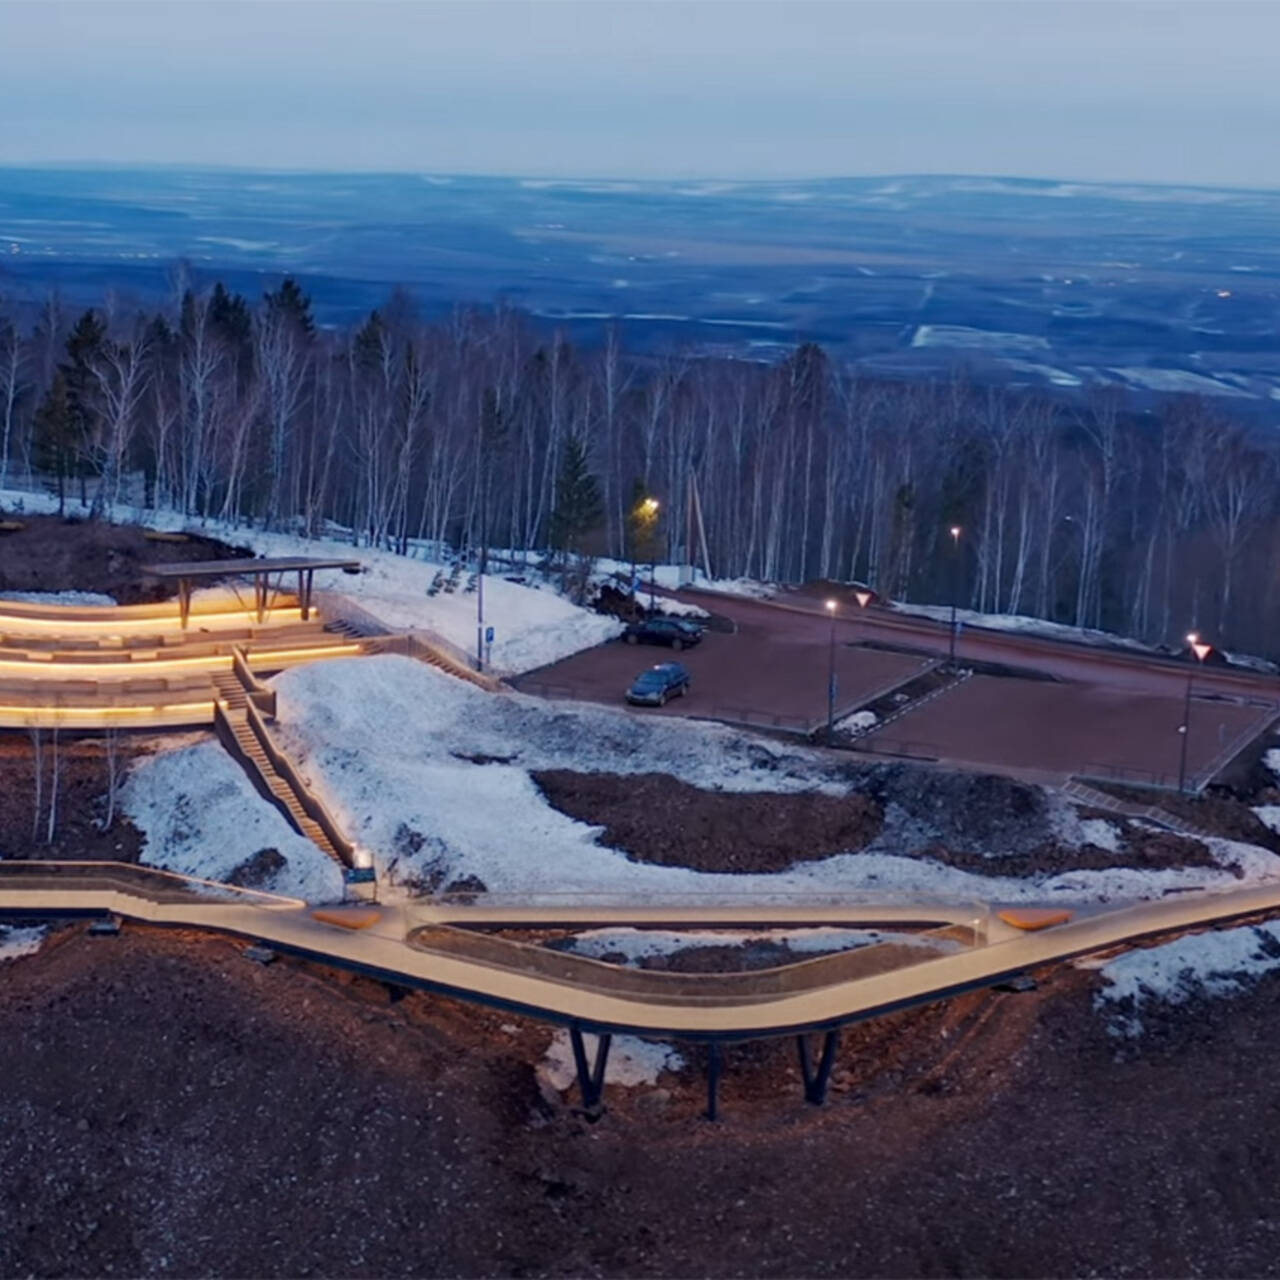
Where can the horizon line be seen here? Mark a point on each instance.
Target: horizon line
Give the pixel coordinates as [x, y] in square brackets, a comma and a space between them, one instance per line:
[550, 179]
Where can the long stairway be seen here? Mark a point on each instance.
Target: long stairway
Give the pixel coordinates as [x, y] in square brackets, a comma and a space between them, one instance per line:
[1096, 799]
[235, 705]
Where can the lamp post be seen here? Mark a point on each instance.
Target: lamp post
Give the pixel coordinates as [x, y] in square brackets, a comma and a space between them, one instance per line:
[1201, 651]
[831, 673]
[651, 512]
[643, 515]
[955, 590]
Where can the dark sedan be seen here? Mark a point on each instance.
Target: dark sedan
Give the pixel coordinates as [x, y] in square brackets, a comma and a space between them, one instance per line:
[652, 688]
[676, 632]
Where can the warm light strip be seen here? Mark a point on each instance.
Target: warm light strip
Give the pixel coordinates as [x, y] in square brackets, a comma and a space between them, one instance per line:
[16, 624]
[206, 708]
[147, 668]
[328, 651]
[126, 669]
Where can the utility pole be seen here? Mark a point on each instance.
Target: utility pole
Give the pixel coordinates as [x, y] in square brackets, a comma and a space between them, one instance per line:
[955, 591]
[480, 610]
[1201, 652]
[831, 674]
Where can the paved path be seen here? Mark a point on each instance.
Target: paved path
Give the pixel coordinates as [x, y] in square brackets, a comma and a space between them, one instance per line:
[737, 1007]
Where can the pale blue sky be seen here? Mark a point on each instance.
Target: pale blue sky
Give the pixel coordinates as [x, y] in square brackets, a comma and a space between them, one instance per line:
[1112, 89]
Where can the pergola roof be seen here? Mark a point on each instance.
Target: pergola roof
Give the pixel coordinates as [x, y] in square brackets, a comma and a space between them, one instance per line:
[248, 565]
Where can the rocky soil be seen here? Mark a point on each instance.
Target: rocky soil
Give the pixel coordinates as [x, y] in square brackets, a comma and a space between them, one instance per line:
[657, 818]
[171, 1107]
[978, 822]
[52, 553]
[81, 809]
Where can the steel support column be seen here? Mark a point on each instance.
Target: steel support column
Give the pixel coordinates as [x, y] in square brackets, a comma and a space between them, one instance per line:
[590, 1077]
[815, 1082]
[713, 1080]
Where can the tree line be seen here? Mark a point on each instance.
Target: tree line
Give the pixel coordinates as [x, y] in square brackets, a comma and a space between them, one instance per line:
[483, 431]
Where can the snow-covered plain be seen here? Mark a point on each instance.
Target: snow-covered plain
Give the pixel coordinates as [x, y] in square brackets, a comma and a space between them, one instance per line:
[432, 775]
[201, 816]
[1204, 964]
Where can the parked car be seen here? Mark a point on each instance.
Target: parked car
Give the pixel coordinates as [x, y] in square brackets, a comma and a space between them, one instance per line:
[652, 688]
[679, 633]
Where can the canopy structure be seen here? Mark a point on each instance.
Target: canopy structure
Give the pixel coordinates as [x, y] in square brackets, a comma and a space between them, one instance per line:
[260, 570]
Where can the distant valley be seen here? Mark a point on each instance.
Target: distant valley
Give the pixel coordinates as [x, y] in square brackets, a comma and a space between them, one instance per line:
[1054, 284]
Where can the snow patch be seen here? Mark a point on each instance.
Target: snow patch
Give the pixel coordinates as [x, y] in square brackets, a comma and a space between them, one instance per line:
[858, 722]
[1019, 622]
[20, 942]
[58, 597]
[1269, 815]
[1222, 963]
[200, 816]
[681, 609]
[635, 945]
[631, 1061]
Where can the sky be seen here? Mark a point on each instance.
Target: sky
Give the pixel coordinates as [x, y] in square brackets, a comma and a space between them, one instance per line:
[1180, 91]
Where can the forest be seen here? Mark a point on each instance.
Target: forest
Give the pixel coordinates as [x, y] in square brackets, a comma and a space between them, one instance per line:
[484, 430]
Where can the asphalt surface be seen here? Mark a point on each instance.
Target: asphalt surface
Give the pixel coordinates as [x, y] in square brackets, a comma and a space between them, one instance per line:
[771, 672]
[1103, 712]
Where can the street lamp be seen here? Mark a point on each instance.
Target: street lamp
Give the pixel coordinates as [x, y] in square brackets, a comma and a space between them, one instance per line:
[831, 673]
[642, 516]
[1201, 651]
[650, 508]
[955, 590]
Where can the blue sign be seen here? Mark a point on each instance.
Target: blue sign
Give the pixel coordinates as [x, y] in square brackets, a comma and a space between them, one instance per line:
[488, 635]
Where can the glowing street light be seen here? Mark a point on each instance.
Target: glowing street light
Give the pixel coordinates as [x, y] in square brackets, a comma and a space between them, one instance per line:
[650, 509]
[1201, 650]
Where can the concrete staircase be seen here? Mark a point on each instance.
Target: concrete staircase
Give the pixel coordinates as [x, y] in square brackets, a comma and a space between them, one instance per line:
[234, 701]
[1095, 799]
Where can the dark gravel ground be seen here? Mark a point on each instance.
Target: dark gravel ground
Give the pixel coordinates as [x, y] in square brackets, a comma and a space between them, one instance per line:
[978, 822]
[171, 1108]
[73, 554]
[657, 818]
[81, 809]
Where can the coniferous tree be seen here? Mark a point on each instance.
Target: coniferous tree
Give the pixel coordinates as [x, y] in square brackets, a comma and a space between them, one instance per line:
[54, 436]
[579, 508]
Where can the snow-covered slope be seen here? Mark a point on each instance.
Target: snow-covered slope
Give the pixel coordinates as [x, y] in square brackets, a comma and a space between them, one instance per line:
[533, 625]
[432, 775]
[201, 816]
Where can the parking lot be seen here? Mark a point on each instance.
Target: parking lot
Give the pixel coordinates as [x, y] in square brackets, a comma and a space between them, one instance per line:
[771, 672]
[1015, 724]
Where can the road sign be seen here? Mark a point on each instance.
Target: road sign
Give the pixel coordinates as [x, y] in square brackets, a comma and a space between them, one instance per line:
[488, 635]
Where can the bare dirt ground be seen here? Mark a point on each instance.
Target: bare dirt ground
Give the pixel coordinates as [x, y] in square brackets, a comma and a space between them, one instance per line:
[172, 1108]
[52, 553]
[657, 818]
[985, 824]
[81, 809]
